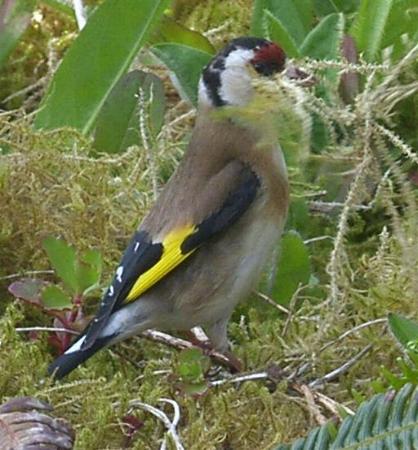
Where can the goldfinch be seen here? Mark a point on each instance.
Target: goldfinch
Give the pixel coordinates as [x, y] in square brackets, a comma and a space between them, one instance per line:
[201, 248]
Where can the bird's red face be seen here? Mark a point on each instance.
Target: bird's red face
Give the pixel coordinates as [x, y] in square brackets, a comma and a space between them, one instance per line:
[268, 59]
[226, 80]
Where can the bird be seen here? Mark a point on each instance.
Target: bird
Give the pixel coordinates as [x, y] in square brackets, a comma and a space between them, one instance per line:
[202, 246]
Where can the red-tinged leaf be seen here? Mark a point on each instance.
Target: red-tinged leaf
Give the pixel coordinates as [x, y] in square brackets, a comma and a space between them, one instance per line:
[27, 289]
[131, 424]
[349, 81]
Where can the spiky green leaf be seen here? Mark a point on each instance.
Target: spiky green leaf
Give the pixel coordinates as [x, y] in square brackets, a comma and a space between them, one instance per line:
[96, 61]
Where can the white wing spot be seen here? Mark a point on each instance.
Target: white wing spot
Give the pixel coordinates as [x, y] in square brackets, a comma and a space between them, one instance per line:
[111, 291]
[136, 246]
[76, 346]
[119, 273]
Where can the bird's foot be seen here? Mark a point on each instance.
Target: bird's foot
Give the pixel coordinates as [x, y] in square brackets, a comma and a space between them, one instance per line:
[199, 339]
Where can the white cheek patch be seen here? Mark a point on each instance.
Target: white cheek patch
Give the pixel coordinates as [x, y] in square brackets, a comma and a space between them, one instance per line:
[238, 58]
[111, 291]
[236, 88]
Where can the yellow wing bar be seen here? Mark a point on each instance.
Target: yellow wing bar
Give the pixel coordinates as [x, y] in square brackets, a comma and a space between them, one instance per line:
[172, 256]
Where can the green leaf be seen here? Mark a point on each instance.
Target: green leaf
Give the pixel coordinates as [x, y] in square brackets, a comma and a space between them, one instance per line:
[54, 298]
[294, 267]
[88, 270]
[295, 15]
[117, 125]
[172, 32]
[369, 27]
[403, 19]
[298, 218]
[192, 365]
[385, 421]
[404, 330]
[325, 7]
[186, 63]
[15, 16]
[63, 260]
[278, 33]
[96, 61]
[324, 41]
[347, 6]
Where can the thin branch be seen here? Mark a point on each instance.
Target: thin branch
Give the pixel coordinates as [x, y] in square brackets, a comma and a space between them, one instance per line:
[49, 329]
[317, 239]
[181, 344]
[25, 274]
[398, 143]
[252, 376]
[351, 331]
[335, 260]
[328, 403]
[340, 370]
[327, 207]
[271, 302]
[144, 131]
[172, 430]
[170, 425]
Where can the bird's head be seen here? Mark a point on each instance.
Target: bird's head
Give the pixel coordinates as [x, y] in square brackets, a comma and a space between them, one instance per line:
[227, 79]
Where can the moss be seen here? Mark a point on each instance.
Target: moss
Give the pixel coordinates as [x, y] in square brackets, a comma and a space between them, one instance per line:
[231, 16]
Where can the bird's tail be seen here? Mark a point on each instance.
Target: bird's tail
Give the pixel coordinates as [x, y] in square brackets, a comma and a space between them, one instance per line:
[74, 356]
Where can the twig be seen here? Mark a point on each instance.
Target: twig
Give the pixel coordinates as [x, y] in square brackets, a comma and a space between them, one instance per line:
[56, 330]
[171, 341]
[317, 239]
[144, 131]
[292, 304]
[335, 259]
[170, 425]
[251, 376]
[24, 274]
[217, 30]
[314, 411]
[327, 402]
[25, 90]
[351, 331]
[172, 430]
[271, 302]
[327, 207]
[340, 370]
[397, 142]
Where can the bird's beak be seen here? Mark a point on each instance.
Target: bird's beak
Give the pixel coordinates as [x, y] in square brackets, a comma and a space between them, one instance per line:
[300, 76]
